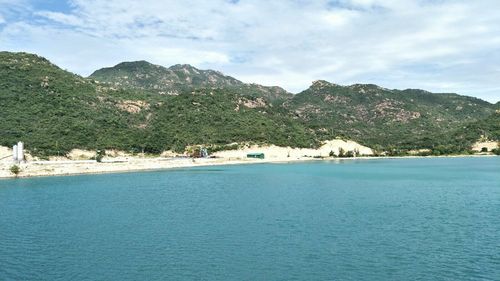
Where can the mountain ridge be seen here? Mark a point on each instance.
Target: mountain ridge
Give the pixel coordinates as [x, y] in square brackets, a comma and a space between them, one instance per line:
[176, 79]
[187, 68]
[139, 106]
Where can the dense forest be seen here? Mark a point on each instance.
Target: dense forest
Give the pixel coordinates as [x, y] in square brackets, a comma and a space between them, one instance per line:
[138, 106]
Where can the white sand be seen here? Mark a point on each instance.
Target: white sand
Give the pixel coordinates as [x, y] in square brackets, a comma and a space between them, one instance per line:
[490, 145]
[116, 161]
[69, 167]
[287, 153]
[77, 161]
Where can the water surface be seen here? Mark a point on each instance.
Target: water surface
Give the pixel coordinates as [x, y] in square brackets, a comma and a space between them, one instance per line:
[400, 219]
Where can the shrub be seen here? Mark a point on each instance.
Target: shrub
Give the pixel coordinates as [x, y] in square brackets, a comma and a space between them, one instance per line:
[215, 148]
[15, 170]
[349, 153]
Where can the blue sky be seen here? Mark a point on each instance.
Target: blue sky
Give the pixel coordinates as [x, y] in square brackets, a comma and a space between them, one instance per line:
[440, 46]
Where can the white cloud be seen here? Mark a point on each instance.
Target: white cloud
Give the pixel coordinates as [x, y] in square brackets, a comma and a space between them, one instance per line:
[62, 18]
[340, 18]
[440, 46]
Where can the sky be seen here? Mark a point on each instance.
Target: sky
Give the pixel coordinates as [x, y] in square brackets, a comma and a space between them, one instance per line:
[439, 46]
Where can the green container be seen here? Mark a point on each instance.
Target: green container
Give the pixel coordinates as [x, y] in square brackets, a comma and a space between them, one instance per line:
[255, 155]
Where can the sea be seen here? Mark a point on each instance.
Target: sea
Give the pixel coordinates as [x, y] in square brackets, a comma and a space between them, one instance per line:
[377, 219]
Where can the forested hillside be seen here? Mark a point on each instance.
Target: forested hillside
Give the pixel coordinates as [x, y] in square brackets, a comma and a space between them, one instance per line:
[142, 75]
[53, 111]
[138, 106]
[382, 118]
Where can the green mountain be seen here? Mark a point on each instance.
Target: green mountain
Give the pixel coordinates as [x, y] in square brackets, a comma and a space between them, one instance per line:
[138, 106]
[166, 81]
[487, 128]
[53, 111]
[142, 75]
[384, 118]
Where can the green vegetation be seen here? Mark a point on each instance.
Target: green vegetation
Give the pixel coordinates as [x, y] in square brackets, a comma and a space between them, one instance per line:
[15, 170]
[140, 107]
[388, 120]
[486, 128]
[341, 152]
[142, 75]
[215, 147]
[201, 118]
[54, 111]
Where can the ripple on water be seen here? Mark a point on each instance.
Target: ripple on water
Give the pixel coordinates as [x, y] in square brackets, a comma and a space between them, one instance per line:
[403, 219]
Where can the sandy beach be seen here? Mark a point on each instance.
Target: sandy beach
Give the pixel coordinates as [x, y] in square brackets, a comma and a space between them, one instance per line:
[77, 161]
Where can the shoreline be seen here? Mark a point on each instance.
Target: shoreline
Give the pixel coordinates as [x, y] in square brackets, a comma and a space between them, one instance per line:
[74, 168]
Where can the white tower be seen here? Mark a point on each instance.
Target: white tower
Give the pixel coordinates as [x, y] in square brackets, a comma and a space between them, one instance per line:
[14, 152]
[20, 151]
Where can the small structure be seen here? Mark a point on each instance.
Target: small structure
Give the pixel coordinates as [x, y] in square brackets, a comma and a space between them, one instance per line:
[258, 155]
[18, 151]
[203, 153]
[197, 151]
[14, 152]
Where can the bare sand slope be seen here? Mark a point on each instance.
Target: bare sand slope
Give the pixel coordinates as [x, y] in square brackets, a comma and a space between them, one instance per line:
[490, 145]
[287, 153]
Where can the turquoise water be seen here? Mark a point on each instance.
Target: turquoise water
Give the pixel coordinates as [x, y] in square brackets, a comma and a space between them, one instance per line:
[402, 219]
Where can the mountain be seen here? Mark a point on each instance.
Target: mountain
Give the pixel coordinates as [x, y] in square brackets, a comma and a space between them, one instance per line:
[165, 81]
[138, 106]
[177, 79]
[54, 111]
[382, 118]
[487, 128]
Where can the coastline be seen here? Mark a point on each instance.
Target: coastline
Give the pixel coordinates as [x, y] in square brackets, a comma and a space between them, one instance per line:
[75, 167]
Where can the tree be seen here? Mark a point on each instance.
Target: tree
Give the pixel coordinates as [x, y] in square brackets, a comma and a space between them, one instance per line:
[341, 152]
[349, 153]
[15, 170]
